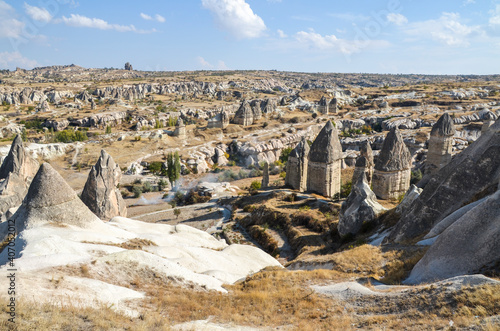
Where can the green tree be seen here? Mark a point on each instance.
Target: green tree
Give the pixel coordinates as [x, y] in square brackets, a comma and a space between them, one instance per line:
[108, 129]
[173, 168]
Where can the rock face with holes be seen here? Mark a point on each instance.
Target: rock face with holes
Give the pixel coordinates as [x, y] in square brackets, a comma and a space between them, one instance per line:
[360, 207]
[470, 175]
[391, 177]
[16, 173]
[325, 159]
[440, 144]
[51, 199]
[100, 193]
[244, 115]
[296, 167]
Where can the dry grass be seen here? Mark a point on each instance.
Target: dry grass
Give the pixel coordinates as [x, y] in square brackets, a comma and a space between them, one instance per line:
[49, 317]
[276, 298]
[268, 299]
[367, 260]
[133, 244]
[401, 263]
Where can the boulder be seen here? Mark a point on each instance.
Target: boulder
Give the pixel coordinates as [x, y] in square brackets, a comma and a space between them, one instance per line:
[100, 193]
[360, 207]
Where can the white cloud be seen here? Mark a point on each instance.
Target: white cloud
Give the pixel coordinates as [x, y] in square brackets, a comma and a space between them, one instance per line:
[221, 65]
[79, 21]
[204, 63]
[447, 30]
[495, 16]
[37, 13]
[236, 17]
[397, 19]
[9, 26]
[11, 60]
[468, 2]
[317, 41]
[349, 17]
[146, 17]
[159, 18]
[281, 34]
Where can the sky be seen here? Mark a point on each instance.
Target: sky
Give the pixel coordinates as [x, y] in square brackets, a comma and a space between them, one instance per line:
[360, 36]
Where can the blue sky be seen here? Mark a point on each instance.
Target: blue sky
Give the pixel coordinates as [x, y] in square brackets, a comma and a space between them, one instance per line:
[389, 36]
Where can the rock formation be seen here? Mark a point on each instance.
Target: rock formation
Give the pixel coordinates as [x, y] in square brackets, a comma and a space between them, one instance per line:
[265, 176]
[244, 115]
[323, 169]
[296, 167]
[256, 109]
[220, 121]
[470, 174]
[488, 119]
[469, 245]
[440, 144]
[51, 199]
[360, 207]
[16, 173]
[323, 106]
[411, 195]
[364, 163]
[43, 107]
[92, 104]
[100, 193]
[180, 129]
[391, 177]
[18, 161]
[333, 107]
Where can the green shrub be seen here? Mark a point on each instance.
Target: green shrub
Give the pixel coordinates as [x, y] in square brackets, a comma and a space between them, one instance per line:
[255, 185]
[137, 191]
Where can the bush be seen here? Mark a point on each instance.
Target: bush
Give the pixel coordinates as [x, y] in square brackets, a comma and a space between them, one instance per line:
[416, 176]
[146, 187]
[285, 153]
[255, 185]
[137, 191]
[67, 136]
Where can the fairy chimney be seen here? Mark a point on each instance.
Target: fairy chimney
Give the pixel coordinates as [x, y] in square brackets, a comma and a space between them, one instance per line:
[180, 129]
[323, 106]
[100, 193]
[364, 163]
[244, 115]
[325, 158]
[391, 177]
[296, 167]
[440, 144]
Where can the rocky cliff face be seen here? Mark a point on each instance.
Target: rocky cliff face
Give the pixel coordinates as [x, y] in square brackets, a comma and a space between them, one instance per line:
[469, 174]
[470, 245]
